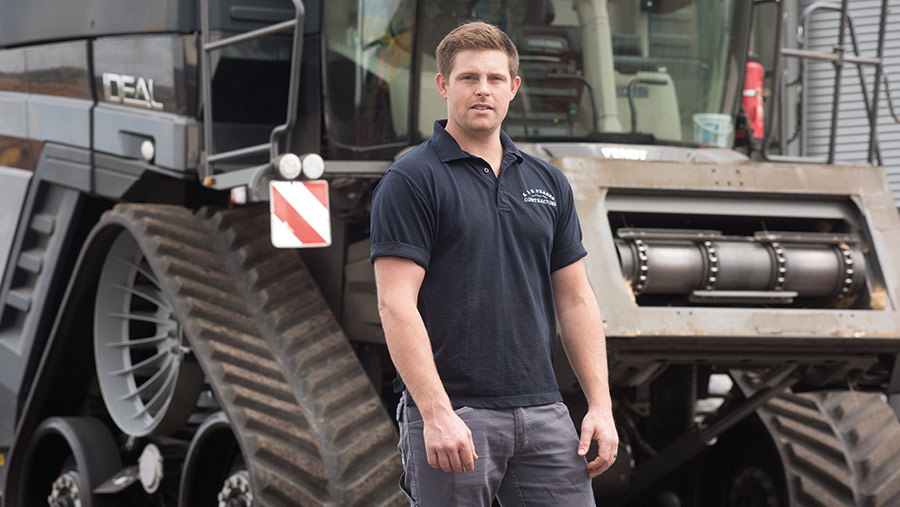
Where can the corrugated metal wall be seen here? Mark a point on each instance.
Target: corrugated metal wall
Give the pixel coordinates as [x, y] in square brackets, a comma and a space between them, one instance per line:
[853, 124]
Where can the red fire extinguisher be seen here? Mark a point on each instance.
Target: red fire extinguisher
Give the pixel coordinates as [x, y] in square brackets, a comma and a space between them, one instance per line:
[753, 101]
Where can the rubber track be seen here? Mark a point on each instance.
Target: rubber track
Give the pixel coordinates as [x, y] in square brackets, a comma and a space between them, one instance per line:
[355, 435]
[838, 448]
[298, 453]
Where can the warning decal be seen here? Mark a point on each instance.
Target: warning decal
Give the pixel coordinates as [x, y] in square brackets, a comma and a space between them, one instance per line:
[299, 214]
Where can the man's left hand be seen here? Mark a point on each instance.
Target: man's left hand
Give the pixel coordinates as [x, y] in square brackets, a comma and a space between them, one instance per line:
[599, 425]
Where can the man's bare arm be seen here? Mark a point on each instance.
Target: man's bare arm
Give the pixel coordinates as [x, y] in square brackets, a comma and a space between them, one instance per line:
[581, 328]
[448, 440]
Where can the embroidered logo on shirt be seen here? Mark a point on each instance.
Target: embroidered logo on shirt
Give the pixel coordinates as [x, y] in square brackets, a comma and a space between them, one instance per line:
[539, 196]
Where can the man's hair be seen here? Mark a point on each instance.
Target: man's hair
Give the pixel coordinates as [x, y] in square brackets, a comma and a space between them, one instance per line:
[476, 35]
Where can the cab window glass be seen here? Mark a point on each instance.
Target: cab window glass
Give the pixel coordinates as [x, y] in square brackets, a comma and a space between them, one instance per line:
[602, 69]
[368, 54]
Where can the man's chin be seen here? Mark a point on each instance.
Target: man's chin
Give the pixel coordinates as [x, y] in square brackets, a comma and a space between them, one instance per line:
[483, 126]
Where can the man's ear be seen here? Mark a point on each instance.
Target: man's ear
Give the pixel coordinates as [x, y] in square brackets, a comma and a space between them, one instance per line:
[515, 86]
[441, 84]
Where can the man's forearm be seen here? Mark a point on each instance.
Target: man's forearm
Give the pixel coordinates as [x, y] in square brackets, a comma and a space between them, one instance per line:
[411, 352]
[581, 328]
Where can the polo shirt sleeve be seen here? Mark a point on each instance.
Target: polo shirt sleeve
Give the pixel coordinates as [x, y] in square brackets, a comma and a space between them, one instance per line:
[402, 220]
[567, 246]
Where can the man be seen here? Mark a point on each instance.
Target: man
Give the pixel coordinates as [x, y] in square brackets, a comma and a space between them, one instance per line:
[477, 252]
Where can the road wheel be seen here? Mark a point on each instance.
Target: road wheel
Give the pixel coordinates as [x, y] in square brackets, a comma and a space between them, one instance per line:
[215, 472]
[67, 458]
[743, 470]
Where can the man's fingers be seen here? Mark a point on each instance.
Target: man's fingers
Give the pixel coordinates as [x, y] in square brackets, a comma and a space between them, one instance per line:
[445, 461]
[468, 455]
[598, 466]
[456, 464]
[585, 441]
[433, 460]
[468, 460]
[597, 471]
[603, 461]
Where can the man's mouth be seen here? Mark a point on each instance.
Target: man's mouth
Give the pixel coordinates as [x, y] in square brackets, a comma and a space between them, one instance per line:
[482, 107]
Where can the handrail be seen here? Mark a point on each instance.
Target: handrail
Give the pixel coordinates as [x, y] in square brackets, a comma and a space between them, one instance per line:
[206, 171]
[253, 34]
[870, 110]
[240, 152]
[838, 58]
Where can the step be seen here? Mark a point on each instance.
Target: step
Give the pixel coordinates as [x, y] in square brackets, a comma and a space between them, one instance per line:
[32, 261]
[20, 299]
[43, 223]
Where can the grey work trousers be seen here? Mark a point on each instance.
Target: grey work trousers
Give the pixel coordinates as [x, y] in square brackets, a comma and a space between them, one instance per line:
[526, 457]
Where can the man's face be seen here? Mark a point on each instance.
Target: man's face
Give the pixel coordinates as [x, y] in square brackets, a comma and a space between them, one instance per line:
[478, 91]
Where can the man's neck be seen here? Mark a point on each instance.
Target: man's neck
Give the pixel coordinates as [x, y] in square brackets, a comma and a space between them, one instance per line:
[488, 146]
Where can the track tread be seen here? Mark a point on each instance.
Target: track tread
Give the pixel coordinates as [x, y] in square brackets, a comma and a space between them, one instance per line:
[876, 466]
[355, 435]
[838, 448]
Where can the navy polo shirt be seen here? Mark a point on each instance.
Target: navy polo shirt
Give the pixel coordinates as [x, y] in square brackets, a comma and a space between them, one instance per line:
[488, 245]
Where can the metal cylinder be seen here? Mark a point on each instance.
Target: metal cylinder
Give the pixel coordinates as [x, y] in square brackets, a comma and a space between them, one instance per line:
[744, 266]
[675, 267]
[812, 270]
[678, 267]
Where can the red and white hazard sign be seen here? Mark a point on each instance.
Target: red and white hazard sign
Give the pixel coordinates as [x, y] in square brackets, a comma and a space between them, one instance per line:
[299, 211]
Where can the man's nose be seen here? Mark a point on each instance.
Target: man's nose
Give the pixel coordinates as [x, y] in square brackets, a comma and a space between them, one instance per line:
[483, 88]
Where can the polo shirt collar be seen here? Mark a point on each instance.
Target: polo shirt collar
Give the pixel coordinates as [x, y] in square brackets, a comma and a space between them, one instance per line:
[448, 149]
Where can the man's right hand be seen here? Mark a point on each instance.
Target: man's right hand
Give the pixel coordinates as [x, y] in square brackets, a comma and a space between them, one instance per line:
[448, 442]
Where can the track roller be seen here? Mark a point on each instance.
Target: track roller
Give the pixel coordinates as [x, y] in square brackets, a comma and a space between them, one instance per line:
[67, 458]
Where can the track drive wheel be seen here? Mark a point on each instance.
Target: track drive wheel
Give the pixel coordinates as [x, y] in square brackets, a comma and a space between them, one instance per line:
[149, 385]
[67, 458]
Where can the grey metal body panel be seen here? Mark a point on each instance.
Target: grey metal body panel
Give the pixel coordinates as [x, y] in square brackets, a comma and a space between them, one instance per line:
[14, 111]
[119, 130]
[14, 183]
[60, 69]
[113, 177]
[60, 119]
[12, 70]
[93, 173]
[593, 180]
[67, 166]
[46, 118]
[54, 20]
[47, 94]
[41, 240]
